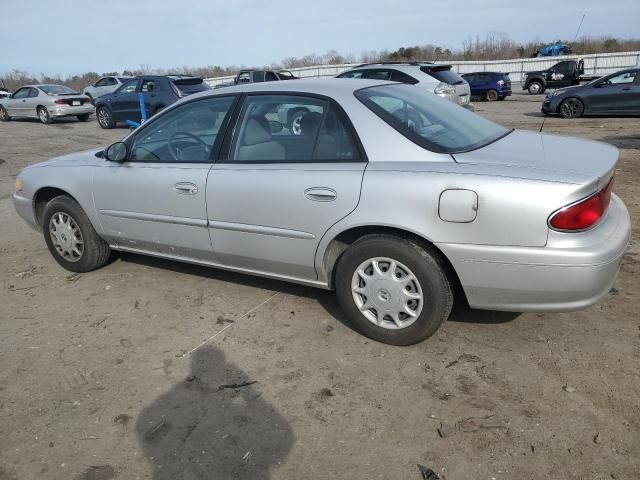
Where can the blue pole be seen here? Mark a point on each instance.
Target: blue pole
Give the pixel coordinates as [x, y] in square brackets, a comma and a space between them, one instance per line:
[143, 110]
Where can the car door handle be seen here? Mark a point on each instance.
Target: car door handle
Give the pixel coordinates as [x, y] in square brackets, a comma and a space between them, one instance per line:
[626, 88]
[320, 194]
[185, 188]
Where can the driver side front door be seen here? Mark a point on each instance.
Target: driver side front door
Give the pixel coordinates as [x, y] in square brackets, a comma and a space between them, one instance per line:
[154, 202]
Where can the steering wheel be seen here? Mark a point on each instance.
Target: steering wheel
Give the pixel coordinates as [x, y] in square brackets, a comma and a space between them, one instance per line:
[175, 152]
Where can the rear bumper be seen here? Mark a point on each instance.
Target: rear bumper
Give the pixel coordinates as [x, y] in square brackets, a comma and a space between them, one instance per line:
[69, 110]
[24, 208]
[573, 271]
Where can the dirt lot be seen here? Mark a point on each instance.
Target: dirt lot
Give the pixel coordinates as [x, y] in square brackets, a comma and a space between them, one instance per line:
[100, 378]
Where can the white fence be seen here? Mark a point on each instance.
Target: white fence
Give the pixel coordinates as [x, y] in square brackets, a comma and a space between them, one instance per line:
[595, 64]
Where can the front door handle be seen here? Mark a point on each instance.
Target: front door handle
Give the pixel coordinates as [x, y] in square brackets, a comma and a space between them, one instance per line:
[185, 188]
[320, 194]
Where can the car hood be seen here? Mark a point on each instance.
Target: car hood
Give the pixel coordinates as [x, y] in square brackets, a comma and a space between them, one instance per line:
[76, 159]
[541, 155]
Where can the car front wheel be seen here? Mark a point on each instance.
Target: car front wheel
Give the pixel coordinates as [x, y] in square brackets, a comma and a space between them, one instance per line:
[393, 290]
[571, 108]
[71, 238]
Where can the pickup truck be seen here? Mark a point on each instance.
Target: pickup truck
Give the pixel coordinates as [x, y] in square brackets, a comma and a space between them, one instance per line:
[254, 76]
[562, 74]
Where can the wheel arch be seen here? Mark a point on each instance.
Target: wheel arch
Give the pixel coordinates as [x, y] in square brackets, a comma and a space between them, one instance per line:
[344, 239]
[43, 196]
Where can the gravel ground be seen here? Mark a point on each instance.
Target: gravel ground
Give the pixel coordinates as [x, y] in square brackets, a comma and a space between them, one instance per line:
[101, 376]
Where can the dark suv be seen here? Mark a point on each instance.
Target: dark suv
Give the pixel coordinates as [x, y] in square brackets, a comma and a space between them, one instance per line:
[159, 92]
[489, 86]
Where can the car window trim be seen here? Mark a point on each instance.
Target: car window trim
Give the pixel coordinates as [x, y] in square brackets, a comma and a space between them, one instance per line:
[217, 144]
[225, 150]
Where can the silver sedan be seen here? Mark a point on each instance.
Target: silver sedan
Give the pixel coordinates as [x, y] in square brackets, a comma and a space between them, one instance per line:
[46, 102]
[388, 195]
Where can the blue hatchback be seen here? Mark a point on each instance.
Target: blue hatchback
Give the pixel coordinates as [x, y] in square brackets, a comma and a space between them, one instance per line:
[490, 86]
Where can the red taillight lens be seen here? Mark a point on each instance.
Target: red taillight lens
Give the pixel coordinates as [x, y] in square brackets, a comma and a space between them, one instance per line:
[501, 82]
[59, 101]
[176, 91]
[585, 213]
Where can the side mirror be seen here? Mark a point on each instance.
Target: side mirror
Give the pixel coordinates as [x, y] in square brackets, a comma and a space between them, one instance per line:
[117, 152]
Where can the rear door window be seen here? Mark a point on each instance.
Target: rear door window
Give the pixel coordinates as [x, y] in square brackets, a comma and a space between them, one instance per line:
[149, 86]
[398, 76]
[352, 74]
[378, 74]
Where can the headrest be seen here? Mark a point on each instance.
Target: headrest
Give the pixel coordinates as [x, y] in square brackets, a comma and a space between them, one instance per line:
[256, 131]
[310, 122]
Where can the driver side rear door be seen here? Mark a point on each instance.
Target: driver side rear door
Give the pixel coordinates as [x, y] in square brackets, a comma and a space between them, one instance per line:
[154, 201]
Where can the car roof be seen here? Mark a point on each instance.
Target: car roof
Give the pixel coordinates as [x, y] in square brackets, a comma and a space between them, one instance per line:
[428, 65]
[317, 86]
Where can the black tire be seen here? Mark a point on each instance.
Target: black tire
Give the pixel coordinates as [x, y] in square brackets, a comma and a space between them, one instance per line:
[571, 108]
[491, 95]
[4, 115]
[105, 118]
[95, 251]
[426, 266]
[535, 87]
[44, 115]
[293, 116]
[83, 118]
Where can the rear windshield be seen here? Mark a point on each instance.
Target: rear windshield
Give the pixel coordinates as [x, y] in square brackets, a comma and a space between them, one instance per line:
[443, 74]
[57, 90]
[430, 121]
[191, 85]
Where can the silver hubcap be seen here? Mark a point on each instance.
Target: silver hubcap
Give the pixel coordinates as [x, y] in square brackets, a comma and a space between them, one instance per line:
[571, 108]
[387, 293]
[534, 88]
[3, 113]
[66, 237]
[43, 115]
[103, 117]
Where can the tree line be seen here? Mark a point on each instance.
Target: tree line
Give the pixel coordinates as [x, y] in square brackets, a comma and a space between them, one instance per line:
[494, 46]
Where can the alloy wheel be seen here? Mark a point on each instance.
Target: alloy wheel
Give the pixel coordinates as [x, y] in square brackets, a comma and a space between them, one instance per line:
[104, 118]
[387, 293]
[66, 236]
[571, 108]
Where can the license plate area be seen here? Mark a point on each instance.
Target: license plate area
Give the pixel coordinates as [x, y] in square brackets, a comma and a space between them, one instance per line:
[75, 103]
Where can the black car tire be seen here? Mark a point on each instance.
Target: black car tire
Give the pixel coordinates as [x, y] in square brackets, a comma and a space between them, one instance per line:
[105, 118]
[491, 95]
[535, 88]
[571, 108]
[44, 115]
[95, 251]
[293, 115]
[4, 115]
[427, 268]
[84, 117]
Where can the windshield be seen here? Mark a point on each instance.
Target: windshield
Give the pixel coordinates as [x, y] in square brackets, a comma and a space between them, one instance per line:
[57, 90]
[430, 121]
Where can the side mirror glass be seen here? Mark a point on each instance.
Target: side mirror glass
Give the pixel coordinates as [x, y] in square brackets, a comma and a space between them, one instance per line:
[117, 152]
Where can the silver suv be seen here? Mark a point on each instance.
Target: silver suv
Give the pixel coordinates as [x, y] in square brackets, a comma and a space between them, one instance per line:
[439, 79]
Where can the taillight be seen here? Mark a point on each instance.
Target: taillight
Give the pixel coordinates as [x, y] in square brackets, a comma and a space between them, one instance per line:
[583, 214]
[501, 82]
[176, 91]
[59, 101]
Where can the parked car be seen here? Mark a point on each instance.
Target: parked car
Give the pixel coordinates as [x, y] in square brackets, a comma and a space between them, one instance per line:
[490, 86]
[159, 92]
[391, 214]
[615, 94]
[439, 79]
[46, 102]
[104, 85]
[562, 74]
[253, 76]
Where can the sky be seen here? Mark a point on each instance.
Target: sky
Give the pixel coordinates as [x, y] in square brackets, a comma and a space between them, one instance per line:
[75, 36]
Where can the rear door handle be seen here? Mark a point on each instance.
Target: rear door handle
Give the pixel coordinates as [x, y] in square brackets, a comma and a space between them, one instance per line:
[185, 188]
[320, 194]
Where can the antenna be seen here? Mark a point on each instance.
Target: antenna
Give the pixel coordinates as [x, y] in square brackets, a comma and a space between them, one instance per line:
[542, 126]
[579, 26]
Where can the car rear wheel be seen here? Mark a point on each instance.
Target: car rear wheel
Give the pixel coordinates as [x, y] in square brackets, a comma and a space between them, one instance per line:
[105, 118]
[71, 238]
[535, 88]
[83, 118]
[393, 290]
[571, 108]
[4, 115]
[491, 96]
[44, 115]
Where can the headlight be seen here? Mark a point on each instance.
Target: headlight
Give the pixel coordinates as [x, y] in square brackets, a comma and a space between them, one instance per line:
[444, 88]
[18, 185]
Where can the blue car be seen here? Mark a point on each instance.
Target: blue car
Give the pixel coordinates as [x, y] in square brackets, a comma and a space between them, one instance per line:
[490, 86]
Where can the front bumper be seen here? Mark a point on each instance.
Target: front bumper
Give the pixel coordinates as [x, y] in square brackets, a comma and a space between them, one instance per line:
[70, 110]
[24, 208]
[573, 271]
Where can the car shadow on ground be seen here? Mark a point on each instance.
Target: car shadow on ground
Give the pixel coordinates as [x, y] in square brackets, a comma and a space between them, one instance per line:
[212, 425]
[630, 142]
[461, 311]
